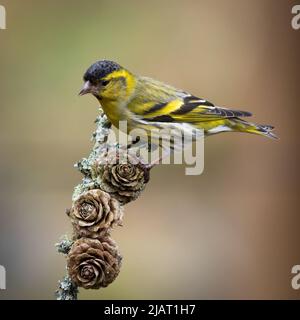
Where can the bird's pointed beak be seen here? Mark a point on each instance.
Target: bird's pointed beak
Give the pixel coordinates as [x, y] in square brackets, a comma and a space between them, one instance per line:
[86, 88]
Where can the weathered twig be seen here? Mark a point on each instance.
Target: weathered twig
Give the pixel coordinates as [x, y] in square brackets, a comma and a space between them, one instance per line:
[109, 182]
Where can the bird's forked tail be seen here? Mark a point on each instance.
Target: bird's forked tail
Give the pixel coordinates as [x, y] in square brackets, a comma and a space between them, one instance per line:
[245, 126]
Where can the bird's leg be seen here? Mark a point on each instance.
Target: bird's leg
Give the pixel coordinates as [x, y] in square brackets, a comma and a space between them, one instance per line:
[134, 142]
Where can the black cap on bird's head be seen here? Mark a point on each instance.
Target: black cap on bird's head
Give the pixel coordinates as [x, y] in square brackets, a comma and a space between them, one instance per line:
[99, 70]
[96, 72]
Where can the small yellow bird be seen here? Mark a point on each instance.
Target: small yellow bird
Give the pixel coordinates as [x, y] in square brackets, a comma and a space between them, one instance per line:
[147, 104]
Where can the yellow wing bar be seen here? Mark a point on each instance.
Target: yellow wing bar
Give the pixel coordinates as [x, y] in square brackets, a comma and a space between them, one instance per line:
[188, 109]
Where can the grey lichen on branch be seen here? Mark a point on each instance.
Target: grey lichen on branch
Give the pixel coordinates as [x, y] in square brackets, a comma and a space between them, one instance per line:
[64, 245]
[67, 289]
[100, 138]
[112, 177]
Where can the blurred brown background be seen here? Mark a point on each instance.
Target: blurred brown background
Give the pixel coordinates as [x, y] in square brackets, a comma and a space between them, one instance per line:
[232, 232]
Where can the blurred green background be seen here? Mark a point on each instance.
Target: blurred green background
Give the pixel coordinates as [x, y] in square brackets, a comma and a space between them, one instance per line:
[232, 232]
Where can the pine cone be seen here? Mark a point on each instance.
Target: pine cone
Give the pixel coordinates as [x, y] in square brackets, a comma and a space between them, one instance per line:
[94, 263]
[94, 212]
[124, 179]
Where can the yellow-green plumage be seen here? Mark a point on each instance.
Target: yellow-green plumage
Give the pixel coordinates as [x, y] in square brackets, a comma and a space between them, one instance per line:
[147, 103]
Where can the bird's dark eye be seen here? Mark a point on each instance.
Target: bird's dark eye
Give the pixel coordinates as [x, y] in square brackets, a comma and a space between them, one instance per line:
[105, 82]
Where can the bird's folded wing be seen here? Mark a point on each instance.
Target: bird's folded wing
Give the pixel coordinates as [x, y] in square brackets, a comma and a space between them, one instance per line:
[188, 109]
